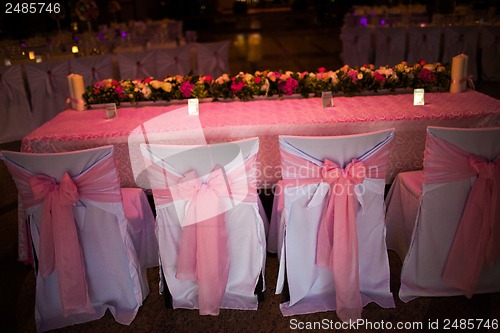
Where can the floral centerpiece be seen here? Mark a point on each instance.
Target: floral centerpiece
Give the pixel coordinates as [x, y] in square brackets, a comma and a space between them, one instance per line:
[347, 80]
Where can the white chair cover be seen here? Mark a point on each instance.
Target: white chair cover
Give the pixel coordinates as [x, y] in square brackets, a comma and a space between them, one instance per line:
[213, 58]
[462, 39]
[311, 287]
[116, 245]
[424, 43]
[174, 30]
[390, 46]
[93, 69]
[356, 45]
[137, 65]
[49, 89]
[15, 111]
[490, 53]
[244, 220]
[173, 61]
[422, 219]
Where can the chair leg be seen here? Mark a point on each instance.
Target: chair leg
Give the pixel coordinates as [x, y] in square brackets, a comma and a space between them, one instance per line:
[258, 288]
[167, 297]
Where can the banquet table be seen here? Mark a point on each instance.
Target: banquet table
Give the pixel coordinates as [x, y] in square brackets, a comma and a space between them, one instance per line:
[267, 118]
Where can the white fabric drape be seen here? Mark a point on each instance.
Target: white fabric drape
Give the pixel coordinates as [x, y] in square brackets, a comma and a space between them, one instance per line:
[422, 219]
[356, 45]
[423, 43]
[244, 222]
[311, 287]
[390, 46]
[117, 245]
[49, 89]
[490, 53]
[213, 58]
[92, 69]
[137, 65]
[15, 111]
[176, 61]
[461, 39]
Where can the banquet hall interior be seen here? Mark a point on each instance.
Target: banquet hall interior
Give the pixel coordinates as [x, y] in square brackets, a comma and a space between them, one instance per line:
[293, 35]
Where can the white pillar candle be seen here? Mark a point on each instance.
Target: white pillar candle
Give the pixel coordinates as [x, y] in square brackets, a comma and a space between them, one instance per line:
[77, 89]
[457, 72]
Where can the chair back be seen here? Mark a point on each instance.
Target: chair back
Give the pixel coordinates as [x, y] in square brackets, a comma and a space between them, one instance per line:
[48, 85]
[356, 45]
[423, 43]
[490, 53]
[390, 46]
[456, 226]
[137, 65]
[16, 111]
[174, 61]
[207, 207]
[93, 69]
[213, 58]
[85, 259]
[462, 39]
[319, 173]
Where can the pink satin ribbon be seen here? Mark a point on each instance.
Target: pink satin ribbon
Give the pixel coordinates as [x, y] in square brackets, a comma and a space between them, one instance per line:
[59, 245]
[60, 250]
[477, 240]
[203, 253]
[337, 242]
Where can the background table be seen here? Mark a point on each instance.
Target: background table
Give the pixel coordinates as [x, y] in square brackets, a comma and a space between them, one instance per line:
[222, 122]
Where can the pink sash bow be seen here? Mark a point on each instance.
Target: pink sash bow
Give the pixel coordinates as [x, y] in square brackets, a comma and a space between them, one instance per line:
[203, 253]
[337, 241]
[59, 244]
[477, 240]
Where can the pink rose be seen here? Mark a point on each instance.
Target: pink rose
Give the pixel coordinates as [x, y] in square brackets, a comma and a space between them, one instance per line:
[186, 88]
[237, 86]
[257, 79]
[289, 86]
[353, 75]
[379, 77]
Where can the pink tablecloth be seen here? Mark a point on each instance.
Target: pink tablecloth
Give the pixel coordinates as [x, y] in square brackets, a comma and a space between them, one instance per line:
[221, 122]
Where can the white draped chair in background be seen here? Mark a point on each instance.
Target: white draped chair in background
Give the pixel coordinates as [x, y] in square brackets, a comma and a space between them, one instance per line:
[444, 221]
[331, 229]
[173, 61]
[213, 58]
[91, 241]
[137, 65]
[211, 228]
[462, 39]
[424, 43]
[390, 46]
[356, 45]
[15, 111]
[93, 69]
[490, 53]
[48, 85]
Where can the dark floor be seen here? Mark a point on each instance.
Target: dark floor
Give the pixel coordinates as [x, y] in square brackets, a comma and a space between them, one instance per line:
[289, 42]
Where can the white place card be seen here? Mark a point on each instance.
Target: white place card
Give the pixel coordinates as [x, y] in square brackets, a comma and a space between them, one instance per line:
[418, 97]
[193, 107]
[111, 110]
[327, 99]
